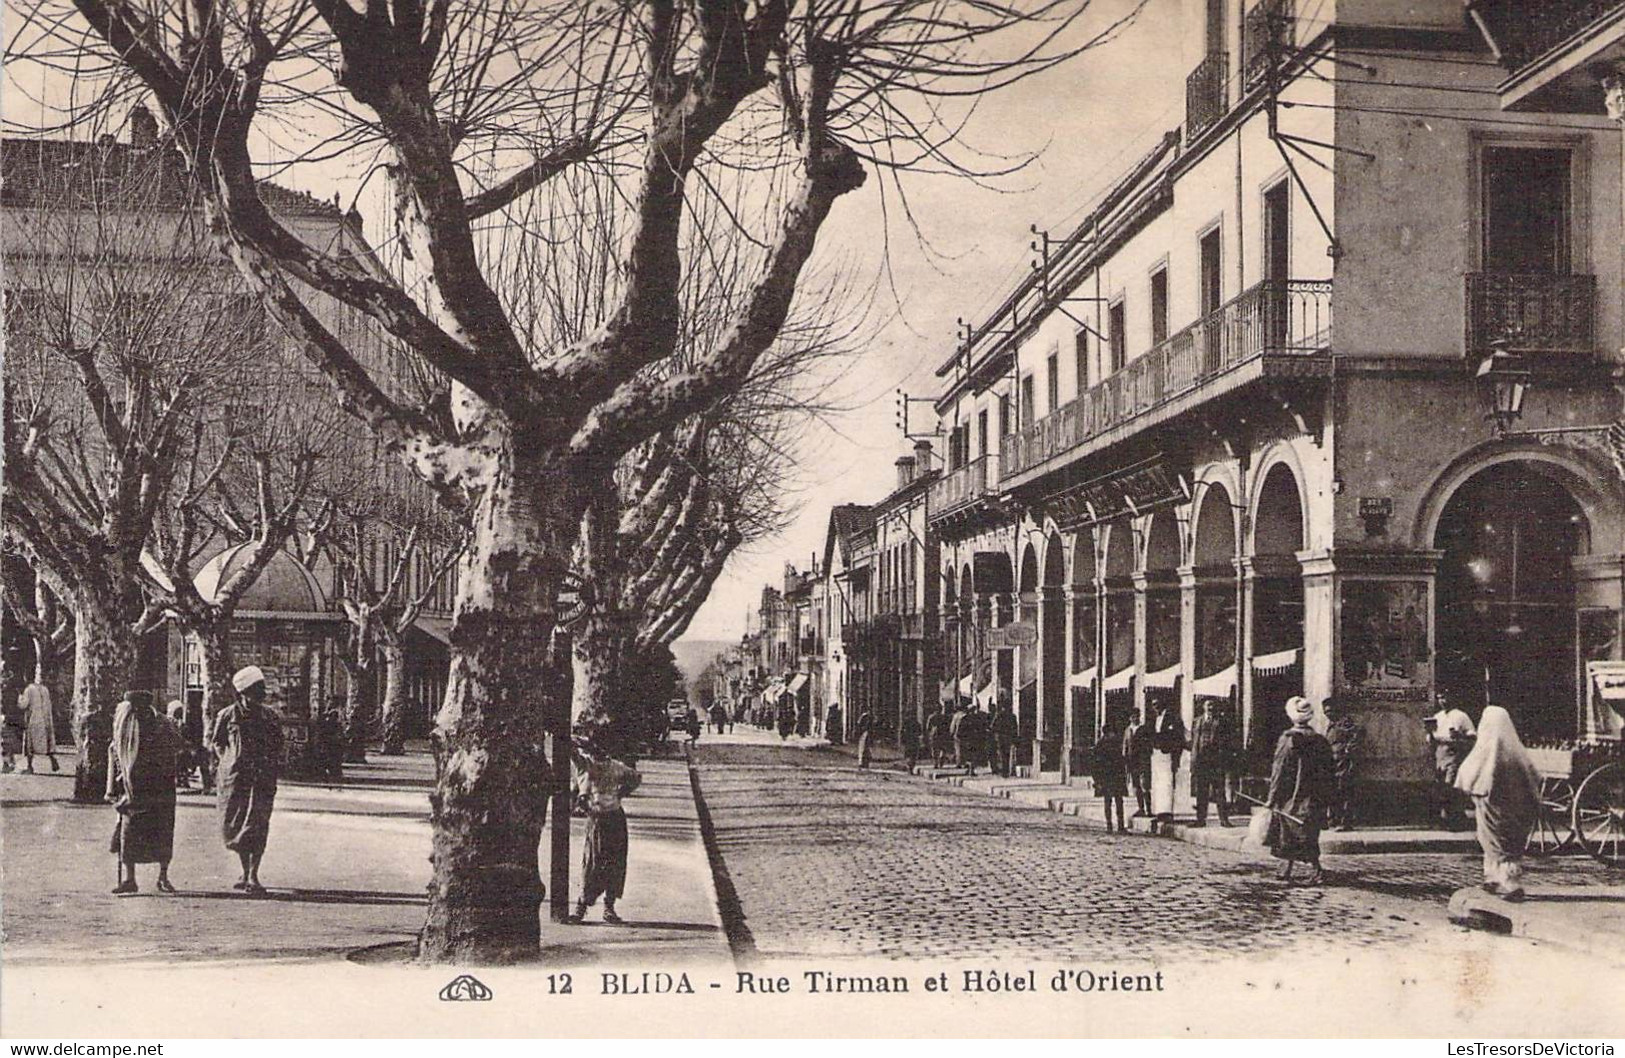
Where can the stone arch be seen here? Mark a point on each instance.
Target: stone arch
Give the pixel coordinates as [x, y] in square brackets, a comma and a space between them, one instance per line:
[1505, 630]
[1163, 549]
[1213, 536]
[1083, 559]
[1591, 483]
[1028, 570]
[1278, 512]
[1119, 550]
[1054, 561]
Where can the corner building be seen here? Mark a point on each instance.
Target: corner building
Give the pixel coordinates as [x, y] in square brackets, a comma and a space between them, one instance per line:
[1229, 440]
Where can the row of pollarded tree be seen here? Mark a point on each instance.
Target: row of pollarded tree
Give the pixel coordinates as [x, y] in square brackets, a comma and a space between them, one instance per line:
[552, 444]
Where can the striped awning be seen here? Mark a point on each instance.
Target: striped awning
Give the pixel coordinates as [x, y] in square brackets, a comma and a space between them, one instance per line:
[1084, 678]
[1218, 685]
[1120, 680]
[1276, 663]
[1163, 677]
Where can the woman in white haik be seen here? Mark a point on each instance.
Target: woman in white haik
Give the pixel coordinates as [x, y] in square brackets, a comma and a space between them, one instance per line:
[1505, 788]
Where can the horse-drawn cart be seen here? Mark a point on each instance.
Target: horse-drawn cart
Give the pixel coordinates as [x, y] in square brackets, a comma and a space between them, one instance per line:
[1582, 794]
[1582, 790]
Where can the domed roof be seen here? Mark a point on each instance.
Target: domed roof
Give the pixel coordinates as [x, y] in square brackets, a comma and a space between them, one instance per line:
[286, 585]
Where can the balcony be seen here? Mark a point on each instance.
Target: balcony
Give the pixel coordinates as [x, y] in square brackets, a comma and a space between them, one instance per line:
[1538, 314]
[963, 487]
[1205, 95]
[1266, 32]
[1527, 30]
[1276, 318]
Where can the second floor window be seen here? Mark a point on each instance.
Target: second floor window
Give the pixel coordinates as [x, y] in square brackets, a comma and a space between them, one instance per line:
[1004, 415]
[1526, 209]
[981, 432]
[1026, 402]
[1119, 337]
[1053, 381]
[1211, 294]
[1215, 27]
[1080, 359]
[1159, 306]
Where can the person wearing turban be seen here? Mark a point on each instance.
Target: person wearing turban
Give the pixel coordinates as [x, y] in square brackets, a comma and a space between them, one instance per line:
[1505, 788]
[247, 737]
[1302, 784]
[601, 783]
[142, 762]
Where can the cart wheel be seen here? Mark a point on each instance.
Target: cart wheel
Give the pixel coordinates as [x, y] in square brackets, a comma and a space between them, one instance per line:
[1553, 830]
[1599, 814]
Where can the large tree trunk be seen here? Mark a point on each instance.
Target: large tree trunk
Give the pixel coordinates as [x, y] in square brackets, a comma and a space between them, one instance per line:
[492, 774]
[104, 661]
[394, 705]
[214, 658]
[602, 649]
[360, 691]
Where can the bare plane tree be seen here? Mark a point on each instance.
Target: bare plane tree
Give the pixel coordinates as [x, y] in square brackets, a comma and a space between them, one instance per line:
[393, 546]
[123, 332]
[480, 107]
[250, 475]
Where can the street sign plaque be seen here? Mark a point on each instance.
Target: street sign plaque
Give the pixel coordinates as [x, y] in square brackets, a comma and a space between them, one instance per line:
[573, 600]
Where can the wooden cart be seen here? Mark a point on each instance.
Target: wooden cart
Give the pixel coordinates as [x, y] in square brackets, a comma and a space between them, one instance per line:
[1582, 799]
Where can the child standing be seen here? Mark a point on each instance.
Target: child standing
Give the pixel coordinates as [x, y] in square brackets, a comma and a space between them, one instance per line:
[1110, 775]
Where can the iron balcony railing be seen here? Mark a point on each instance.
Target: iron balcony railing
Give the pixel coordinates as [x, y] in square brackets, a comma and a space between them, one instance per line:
[1526, 30]
[1205, 94]
[1276, 317]
[964, 486]
[1531, 313]
[1266, 32]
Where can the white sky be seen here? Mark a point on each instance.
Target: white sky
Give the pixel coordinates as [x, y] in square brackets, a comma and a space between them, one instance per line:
[1097, 117]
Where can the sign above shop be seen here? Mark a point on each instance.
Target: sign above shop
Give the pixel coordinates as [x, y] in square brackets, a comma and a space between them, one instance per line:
[1140, 488]
[1020, 634]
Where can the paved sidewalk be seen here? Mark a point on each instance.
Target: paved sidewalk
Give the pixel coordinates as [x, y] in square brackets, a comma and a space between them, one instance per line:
[1591, 920]
[346, 866]
[1047, 791]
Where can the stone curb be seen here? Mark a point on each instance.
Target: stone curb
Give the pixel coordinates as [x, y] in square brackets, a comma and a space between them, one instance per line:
[1545, 921]
[1075, 801]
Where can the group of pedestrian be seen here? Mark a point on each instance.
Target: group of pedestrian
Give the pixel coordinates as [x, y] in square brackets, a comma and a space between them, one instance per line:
[1487, 764]
[971, 737]
[145, 759]
[1145, 754]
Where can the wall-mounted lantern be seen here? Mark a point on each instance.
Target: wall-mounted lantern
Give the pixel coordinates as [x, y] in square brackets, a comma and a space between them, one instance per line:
[1504, 377]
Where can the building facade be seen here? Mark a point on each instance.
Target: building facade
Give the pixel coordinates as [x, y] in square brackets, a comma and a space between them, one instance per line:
[1231, 439]
[97, 230]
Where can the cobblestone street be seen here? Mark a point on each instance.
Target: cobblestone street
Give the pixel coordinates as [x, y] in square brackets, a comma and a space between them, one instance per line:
[827, 860]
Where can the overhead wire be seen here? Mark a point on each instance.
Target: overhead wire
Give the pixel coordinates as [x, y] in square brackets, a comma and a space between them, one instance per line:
[1015, 274]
